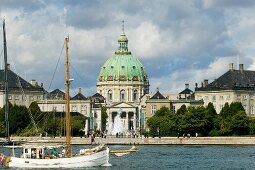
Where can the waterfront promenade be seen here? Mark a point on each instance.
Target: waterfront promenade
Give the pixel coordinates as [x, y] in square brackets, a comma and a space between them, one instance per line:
[143, 141]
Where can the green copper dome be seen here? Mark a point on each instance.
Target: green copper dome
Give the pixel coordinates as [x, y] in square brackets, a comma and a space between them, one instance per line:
[122, 66]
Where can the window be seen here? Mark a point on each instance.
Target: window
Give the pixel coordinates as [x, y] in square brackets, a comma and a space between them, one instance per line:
[221, 97]
[74, 108]
[24, 97]
[173, 109]
[110, 95]
[213, 98]
[83, 108]
[228, 97]
[251, 110]
[10, 97]
[135, 95]
[245, 97]
[31, 97]
[153, 109]
[16, 97]
[38, 97]
[122, 95]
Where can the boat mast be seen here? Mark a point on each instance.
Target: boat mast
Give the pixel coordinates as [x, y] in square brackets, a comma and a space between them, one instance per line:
[7, 134]
[68, 128]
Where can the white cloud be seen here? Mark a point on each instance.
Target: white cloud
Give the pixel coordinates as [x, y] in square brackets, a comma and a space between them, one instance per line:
[184, 41]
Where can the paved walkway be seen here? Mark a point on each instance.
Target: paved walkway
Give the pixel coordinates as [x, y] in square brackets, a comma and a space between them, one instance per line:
[145, 141]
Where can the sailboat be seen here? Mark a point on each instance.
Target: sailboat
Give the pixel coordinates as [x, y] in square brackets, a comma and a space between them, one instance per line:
[35, 156]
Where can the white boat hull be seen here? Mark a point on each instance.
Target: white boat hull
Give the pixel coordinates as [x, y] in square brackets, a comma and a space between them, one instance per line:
[121, 154]
[95, 159]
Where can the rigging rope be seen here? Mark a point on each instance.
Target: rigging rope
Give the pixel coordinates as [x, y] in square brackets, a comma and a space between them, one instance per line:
[1, 56]
[56, 66]
[81, 78]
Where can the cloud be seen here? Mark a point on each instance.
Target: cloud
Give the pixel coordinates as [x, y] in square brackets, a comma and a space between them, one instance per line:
[177, 41]
[227, 3]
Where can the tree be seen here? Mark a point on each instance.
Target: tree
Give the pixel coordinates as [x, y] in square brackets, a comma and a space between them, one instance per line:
[225, 111]
[18, 118]
[182, 110]
[239, 124]
[165, 120]
[235, 107]
[35, 111]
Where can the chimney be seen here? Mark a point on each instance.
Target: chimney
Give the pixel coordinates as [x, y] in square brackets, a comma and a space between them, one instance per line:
[157, 89]
[186, 86]
[205, 82]
[241, 67]
[34, 82]
[79, 91]
[231, 66]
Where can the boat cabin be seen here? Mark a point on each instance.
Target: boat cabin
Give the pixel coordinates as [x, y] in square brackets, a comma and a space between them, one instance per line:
[33, 152]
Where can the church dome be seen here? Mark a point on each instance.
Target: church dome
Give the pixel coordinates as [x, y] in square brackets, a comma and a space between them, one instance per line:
[122, 66]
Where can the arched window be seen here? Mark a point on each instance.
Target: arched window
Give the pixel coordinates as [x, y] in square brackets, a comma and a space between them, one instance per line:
[110, 95]
[135, 95]
[122, 95]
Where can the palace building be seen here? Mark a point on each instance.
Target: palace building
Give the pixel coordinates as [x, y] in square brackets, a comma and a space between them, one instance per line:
[232, 86]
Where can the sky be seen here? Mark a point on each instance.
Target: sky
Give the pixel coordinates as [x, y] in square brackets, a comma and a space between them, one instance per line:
[178, 42]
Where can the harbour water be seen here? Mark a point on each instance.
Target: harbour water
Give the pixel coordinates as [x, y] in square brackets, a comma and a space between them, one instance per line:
[180, 157]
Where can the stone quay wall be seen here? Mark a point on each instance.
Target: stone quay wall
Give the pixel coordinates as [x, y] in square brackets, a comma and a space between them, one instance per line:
[143, 141]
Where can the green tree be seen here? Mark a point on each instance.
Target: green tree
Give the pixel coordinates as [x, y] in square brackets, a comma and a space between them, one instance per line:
[18, 118]
[239, 124]
[77, 125]
[182, 110]
[235, 107]
[36, 111]
[225, 111]
[165, 120]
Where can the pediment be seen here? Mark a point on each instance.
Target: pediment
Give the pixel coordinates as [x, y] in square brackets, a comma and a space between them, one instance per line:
[122, 105]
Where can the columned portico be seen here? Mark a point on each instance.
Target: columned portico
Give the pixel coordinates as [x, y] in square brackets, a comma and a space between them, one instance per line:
[127, 114]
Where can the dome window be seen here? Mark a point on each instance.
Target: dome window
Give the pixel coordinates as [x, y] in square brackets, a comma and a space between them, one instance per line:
[110, 78]
[111, 66]
[135, 78]
[122, 78]
[133, 67]
[101, 78]
[122, 66]
[142, 68]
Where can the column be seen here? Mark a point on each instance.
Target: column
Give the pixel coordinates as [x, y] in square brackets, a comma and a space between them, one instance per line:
[126, 126]
[86, 127]
[134, 121]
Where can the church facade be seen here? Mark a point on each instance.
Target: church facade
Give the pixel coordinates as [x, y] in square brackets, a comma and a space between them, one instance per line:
[123, 81]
